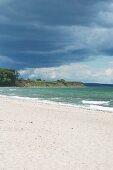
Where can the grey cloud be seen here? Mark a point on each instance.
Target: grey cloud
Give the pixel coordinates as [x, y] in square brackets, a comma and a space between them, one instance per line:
[48, 33]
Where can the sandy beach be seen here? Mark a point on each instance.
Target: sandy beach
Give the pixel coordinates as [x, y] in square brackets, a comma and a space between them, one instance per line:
[40, 136]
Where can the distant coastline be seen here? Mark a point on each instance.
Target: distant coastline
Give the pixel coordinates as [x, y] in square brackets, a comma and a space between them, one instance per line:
[41, 83]
[11, 78]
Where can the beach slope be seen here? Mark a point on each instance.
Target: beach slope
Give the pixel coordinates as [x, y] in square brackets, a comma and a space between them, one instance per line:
[40, 136]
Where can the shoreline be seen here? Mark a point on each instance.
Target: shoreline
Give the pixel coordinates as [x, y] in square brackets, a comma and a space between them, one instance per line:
[49, 102]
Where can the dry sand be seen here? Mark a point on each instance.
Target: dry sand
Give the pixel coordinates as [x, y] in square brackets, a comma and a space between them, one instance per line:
[38, 136]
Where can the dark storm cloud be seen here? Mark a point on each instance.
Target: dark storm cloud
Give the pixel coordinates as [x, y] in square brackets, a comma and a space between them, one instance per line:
[51, 12]
[46, 33]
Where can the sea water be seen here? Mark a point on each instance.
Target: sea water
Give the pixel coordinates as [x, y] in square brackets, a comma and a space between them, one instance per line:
[100, 98]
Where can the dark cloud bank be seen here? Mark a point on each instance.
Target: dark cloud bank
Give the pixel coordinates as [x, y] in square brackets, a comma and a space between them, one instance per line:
[45, 33]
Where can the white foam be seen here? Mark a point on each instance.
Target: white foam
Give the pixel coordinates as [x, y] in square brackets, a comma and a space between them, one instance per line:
[90, 107]
[25, 98]
[95, 102]
[102, 108]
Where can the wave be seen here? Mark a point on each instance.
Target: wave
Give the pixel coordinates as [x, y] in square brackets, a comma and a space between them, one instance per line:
[90, 107]
[95, 102]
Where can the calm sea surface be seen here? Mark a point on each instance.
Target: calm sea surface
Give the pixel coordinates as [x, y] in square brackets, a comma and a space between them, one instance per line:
[90, 97]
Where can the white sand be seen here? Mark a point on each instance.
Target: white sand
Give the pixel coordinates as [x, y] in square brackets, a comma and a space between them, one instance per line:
[35, 136]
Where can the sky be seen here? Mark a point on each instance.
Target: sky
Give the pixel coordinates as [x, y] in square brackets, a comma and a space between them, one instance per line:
[58, 39]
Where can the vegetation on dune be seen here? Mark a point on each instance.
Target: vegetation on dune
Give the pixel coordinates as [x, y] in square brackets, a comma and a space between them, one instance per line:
[10, 77]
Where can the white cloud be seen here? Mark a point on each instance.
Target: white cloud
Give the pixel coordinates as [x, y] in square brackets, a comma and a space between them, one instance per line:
[72, 72]
[68, 72]
[109, 72]
[23, 72]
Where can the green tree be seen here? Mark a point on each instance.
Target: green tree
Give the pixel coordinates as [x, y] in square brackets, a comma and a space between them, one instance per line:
[8, 77]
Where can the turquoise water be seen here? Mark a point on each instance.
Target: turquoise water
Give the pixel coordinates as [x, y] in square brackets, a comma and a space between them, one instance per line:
[90, 97]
